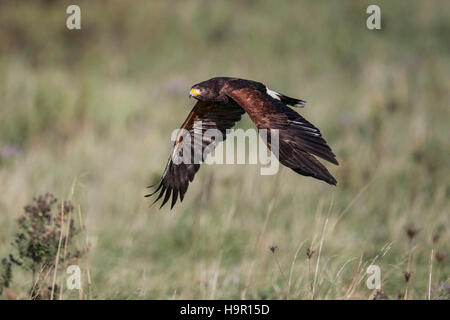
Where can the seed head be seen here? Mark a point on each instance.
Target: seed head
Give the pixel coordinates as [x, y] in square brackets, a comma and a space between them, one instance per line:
[407, 276]
[411, 231]
[435, 238]
[380, 295]
[310, 253]
[440, 257]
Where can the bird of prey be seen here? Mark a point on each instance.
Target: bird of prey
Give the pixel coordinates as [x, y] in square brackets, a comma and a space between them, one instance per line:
[221, 103]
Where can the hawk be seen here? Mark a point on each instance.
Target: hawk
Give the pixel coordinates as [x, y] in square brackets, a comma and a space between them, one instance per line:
[221, 102]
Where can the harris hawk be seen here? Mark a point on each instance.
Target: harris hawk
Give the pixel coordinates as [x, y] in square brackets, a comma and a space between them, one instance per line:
[221, 102]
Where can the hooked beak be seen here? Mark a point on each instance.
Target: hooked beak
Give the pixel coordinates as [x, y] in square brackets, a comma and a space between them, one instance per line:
[193, 93]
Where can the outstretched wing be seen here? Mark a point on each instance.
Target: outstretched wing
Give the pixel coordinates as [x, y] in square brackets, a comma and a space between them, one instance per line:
[193, 139]
[299, 140]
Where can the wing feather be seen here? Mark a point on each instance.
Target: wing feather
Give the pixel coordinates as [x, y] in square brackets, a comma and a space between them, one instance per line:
[177, 175]
[299, 140]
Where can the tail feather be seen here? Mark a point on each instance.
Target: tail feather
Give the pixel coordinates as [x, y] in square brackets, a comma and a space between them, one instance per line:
[292, 101]
[285, 99]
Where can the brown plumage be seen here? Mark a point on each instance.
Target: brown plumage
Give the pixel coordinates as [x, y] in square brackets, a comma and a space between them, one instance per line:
[221, 103]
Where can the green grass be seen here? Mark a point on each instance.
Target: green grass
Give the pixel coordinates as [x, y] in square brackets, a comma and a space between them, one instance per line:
[97, 106]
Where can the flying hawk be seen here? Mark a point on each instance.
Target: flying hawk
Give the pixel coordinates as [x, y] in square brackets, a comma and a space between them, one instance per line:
[221, 103]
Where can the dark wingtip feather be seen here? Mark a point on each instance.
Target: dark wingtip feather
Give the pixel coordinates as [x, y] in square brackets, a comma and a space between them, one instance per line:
[327, 177]
[166, 198]
[324, 175]
[157, 189]
[181, 195]
[332, 181]
[160, 194]
[333, 159]
[174, 198]
[167, 191]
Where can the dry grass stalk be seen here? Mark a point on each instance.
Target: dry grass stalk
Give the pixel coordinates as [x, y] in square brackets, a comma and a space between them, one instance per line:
[292, 266]
[430, 273]
[355, 276]
[309, 255]
[273, 249]
[87, 259]
[320, 247]
[318, 259]
[411, 232]
[66, 243]
[57, 255]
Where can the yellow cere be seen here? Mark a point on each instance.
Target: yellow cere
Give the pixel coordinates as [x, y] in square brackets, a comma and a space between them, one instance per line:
[195, 92]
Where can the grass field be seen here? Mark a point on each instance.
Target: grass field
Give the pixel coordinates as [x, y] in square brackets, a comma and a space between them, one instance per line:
[87, 115]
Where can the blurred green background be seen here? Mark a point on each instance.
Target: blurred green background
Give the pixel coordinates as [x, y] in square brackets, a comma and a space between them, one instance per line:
[95, 108]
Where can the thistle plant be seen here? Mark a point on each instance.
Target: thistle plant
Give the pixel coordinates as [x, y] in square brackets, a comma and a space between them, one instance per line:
[5, 273]
[42, 229]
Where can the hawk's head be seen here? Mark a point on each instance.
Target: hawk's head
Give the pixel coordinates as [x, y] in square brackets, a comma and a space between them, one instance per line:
[209, 90]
